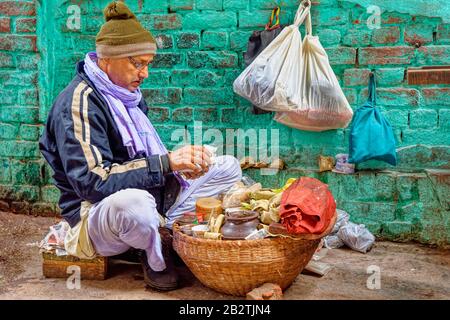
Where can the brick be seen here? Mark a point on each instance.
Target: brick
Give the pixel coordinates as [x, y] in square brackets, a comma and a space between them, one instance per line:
[219, 59]
[30, 132]
[149, 6]
[8, 131]
[161, 21]
[208, 78]
[264, 4]
[385, 55]
[389, 17]
[183, 77]
[214, 40]
[19, 114]
[162, 95]
[444, 118]
[433, 55]
[157, 114]
[5, 170]
[232, 116]
[158, 78]
[5, 25]
[406, 186]
[209, 20]
[25, 25]
[188, 40]
[384, 187]
[393, 97]
[50, 194]
[206, 114]
[18, 78]
[16, 8]
[381, 211]
[268, 291]
[425, 136]
[164, 41]
[42, 210]
[182, 115]
[341, 55]
[235, 4]
[357, 37]
[19, 193]
[208, 4]
[27, 61]
[398, 230]
[436, 96]
[356, 77]
[18, 42]
[426, 119]
[239, 39]
[28, 97]
[329, 37]
[20, 207]
[259, 18]
[7, 96]
[220, 96]
[443, 34]
[386, 35]
[26, 172]
[413, 211]
[397, 118]
[19, 149]
[6, 60]
[330, 16]
[167, 60]
[418, 34]
[181, 5]
[390, 76]
[351, 95]
[4, 206]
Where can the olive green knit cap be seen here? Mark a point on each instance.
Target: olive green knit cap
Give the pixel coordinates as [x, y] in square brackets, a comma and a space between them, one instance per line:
[122, 35]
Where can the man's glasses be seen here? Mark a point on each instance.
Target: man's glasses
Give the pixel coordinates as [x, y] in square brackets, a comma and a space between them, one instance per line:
[138, 65]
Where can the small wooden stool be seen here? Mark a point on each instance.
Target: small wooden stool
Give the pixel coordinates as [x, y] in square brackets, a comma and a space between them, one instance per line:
[54, 266]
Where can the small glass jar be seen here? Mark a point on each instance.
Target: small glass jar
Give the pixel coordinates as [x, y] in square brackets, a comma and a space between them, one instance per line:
[239, 225]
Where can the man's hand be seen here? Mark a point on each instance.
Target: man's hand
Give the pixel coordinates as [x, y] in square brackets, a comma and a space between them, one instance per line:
[195, 159]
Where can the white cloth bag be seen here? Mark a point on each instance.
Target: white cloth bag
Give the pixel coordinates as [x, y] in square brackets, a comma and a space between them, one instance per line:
[323, 104]
[272, 80]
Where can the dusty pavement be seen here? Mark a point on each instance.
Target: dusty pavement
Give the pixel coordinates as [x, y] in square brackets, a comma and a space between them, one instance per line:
[408, 271]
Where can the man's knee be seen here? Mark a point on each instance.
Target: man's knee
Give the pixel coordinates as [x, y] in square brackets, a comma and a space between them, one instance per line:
[127, 199]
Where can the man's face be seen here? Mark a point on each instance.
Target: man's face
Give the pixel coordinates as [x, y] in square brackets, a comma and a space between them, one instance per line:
[129, 72]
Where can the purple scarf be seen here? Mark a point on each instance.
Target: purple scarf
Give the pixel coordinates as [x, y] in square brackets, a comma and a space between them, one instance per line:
[137, 132]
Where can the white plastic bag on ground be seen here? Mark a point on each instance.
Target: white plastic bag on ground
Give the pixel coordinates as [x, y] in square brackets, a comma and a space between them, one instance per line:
[323, 105]
[356, 236]
[272, 81]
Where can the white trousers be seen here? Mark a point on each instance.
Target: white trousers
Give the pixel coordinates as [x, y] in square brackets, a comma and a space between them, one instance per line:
[129, 218]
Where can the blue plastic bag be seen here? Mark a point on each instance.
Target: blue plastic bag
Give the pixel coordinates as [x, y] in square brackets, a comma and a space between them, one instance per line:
[371, 135]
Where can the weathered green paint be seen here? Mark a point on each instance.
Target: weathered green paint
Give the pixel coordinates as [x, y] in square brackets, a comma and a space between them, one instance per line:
[202, 42]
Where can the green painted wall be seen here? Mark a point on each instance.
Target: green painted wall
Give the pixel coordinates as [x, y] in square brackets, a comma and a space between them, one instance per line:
[202, 43]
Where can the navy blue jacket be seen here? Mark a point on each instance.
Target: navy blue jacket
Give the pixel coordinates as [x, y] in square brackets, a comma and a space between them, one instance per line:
[83, 146]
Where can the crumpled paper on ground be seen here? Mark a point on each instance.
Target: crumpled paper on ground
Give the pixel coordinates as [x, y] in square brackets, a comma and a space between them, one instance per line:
[54, 240]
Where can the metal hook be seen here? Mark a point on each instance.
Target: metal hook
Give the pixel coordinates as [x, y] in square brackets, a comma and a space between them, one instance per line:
[306, 3]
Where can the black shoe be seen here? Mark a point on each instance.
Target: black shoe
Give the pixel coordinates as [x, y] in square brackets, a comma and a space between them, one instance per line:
[167, 279]
[131, 255]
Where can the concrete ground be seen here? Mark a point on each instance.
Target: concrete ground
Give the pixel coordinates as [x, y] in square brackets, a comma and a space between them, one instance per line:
[407, 271]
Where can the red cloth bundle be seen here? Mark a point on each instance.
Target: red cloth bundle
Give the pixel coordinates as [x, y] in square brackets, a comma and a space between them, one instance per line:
[307, 206]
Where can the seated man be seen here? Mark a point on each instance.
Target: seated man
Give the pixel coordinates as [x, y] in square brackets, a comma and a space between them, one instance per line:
[115, 175]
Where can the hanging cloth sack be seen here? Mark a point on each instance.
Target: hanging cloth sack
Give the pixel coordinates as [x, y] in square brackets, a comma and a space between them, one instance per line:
[272, 81]
[371, 135]
[323, 105]
[259, 40]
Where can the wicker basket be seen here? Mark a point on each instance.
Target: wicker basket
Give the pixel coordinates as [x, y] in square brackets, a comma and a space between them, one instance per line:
[236, 267]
